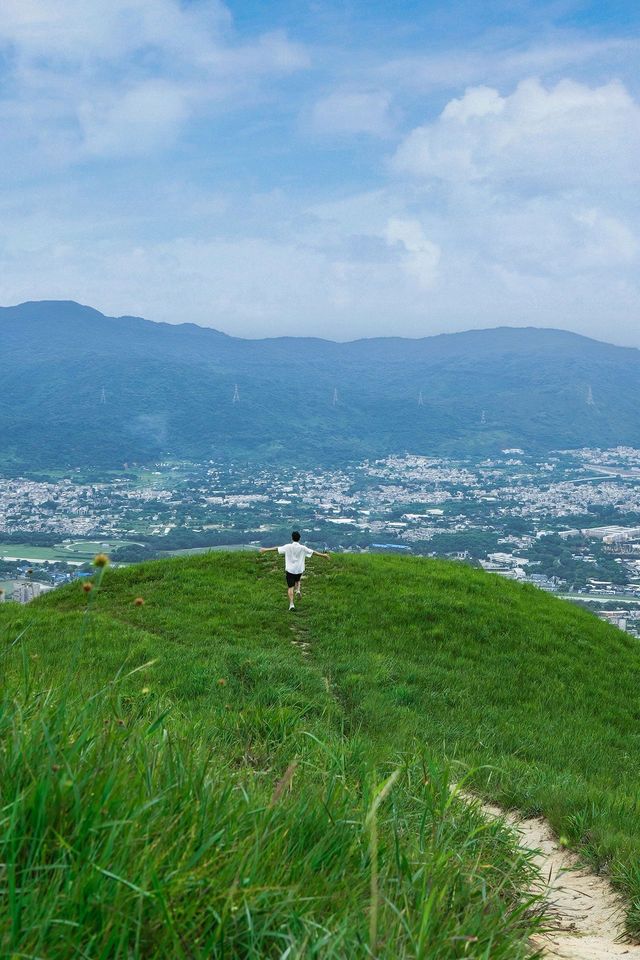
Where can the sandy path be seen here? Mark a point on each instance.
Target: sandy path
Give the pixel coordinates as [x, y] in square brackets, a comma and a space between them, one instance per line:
[588, 915]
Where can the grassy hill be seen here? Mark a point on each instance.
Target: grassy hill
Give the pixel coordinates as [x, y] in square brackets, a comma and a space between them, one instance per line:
[169, 392]
[203, 774]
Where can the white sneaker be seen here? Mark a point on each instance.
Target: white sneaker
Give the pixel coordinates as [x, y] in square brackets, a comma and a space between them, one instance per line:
[291, 606]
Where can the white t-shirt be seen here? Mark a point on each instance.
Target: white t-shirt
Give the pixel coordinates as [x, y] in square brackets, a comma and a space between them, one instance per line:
[294, 556]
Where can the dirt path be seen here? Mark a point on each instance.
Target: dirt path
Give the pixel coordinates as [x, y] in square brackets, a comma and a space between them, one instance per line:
[588, 915]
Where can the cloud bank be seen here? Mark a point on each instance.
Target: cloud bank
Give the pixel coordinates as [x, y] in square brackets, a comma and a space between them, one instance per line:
[162, 158]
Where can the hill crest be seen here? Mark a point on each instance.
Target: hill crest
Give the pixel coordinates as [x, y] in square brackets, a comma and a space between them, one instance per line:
[385, 658]
[66, 310]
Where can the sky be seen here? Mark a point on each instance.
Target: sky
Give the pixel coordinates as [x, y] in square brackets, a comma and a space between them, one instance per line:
[314, 167]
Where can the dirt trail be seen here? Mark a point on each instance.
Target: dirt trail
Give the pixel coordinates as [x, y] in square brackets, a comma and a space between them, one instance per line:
[588, 915]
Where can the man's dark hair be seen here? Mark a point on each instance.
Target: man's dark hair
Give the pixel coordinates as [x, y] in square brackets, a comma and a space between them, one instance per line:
[295, 535]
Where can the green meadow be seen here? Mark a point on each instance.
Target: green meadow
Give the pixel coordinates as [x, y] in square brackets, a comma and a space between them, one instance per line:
[78, 551]
[189, 770]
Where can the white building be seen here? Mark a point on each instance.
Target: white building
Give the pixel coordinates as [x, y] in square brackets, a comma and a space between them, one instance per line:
[26, 590]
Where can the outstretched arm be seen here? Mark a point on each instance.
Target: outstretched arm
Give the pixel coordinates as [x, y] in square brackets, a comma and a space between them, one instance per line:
[267, 549]
[318, 554]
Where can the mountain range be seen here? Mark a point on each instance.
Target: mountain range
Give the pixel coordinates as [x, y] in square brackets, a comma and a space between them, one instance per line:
[78, 388]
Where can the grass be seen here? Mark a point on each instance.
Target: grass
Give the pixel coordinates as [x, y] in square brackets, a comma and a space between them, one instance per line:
[181, 778]
[221, 547]
[79, 551]
[538, 697]
[132, 842]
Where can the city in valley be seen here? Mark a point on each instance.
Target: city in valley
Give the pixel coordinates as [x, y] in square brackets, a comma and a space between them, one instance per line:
[568, 522]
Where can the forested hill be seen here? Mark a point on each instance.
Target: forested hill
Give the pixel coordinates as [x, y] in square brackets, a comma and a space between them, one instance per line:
[80, 388]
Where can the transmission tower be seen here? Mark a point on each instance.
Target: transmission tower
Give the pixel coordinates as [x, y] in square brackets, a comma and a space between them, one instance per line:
[335, 397]
[236, 395]
[590, 401]
[420, 399]
[103, 396]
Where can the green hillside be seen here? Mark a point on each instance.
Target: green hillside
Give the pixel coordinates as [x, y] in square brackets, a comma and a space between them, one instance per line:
[206, 775]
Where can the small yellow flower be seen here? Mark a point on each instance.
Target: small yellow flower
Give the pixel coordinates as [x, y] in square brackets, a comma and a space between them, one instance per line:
[138, 602]
[146, 690]
[101, 560]
[222, 682]
[87, 587]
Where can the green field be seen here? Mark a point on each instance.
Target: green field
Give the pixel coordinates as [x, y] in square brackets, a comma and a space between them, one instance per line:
[78, 551]
[223, 547]
[206, 775]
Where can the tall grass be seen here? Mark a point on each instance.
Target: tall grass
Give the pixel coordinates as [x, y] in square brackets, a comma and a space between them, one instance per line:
[138, 824]
[117, 840]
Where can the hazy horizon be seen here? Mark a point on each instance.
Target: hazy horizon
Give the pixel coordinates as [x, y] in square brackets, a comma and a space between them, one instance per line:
[380, 336]
[325, 169]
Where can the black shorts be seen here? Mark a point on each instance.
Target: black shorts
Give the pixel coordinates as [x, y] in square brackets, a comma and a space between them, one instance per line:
[292, 578]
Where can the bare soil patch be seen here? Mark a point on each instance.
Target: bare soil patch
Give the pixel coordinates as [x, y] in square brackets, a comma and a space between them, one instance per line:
[587, 914]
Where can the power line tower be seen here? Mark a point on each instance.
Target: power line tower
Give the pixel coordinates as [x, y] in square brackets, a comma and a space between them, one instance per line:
[103, 396]
[483, 418]
[590, 401]
[236, 395]
[335, 397]
[420, 399]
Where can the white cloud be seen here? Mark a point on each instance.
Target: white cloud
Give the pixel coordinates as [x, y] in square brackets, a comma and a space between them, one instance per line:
[306, 280]
[347, 113]
[536, 139]
[493, 63]
[421, 256]
[348, 269]
[144, 117]
[271, 53]
[87, 30]
[607, 241]
[553, 237]
[102, 77]
[535, 188]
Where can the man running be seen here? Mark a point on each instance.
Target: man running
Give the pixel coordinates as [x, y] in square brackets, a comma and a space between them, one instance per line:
[295, 554]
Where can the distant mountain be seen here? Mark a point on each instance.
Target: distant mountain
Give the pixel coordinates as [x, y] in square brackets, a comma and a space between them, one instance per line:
[80, 388]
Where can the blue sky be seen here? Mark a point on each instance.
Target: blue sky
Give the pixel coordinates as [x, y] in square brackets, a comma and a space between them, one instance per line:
[341, 169]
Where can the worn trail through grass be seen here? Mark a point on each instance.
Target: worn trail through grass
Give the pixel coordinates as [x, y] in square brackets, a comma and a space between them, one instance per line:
[303, 640]
[586, 914]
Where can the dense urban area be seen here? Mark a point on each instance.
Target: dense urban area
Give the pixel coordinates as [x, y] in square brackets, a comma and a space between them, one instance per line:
[568, 523]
